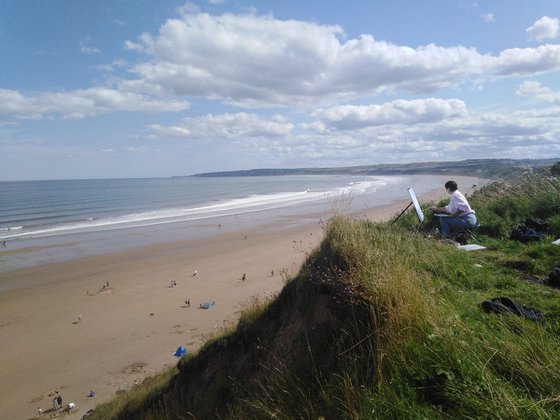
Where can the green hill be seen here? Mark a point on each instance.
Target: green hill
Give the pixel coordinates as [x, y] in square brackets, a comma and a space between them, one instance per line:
[385, 322]
[483, 168]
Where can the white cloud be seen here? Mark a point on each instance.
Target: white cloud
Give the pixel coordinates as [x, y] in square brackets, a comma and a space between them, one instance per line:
[315, 127]
[85, 48]
[255, 60]
[133, 46]
[226, 126]
[396, 112]
[488, 18]
[544, 28]
[134, 149]
[80, 103]
[393, 132]
[537, 91]
[216, 2]
[527, 61]
[520, 134]
[115, 64]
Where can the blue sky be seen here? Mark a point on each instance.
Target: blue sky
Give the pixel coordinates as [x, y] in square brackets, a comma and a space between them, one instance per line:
[96, 89]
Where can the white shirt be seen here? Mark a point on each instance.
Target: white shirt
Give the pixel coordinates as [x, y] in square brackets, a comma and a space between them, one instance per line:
[458, 202]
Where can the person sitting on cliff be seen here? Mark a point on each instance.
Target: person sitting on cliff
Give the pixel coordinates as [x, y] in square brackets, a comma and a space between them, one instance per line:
[461, 215]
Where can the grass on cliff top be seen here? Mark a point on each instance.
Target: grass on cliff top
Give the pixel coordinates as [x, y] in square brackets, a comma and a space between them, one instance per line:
[383, 322]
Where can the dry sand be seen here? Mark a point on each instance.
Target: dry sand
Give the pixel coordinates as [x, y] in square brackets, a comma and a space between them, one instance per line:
[130, 329]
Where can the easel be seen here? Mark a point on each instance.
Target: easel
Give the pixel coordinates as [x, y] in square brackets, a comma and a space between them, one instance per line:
[414, 201]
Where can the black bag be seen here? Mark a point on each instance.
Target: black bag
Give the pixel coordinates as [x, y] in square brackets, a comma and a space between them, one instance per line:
[526, 234]
[538, 224]
[505, 305]
[554, 276]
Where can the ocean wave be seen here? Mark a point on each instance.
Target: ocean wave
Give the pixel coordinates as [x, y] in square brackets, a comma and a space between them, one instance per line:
[10, 228]
[250, 203]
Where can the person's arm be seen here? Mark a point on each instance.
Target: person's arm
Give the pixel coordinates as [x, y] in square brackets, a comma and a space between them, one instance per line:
[444, 210]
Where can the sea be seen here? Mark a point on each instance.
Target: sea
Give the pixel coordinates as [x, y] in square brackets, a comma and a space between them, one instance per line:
[44, 222]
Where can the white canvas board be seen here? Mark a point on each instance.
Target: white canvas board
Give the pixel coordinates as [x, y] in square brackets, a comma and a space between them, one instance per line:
[416, 204]
[471, 247]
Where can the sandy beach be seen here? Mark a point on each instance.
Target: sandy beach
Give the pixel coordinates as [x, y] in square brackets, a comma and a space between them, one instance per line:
[102, 323]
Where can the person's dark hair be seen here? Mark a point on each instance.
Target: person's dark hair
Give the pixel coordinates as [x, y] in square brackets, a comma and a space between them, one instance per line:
[452, 185]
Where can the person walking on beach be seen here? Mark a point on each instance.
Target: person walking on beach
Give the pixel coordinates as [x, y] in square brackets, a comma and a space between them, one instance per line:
[188, 303]
[461, 215]
[243, 277]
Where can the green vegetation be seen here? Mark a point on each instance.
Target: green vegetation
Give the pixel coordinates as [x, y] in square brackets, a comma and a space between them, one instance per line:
[385, 322]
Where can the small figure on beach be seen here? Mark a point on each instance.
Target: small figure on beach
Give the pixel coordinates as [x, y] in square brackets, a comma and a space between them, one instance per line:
[243, 277]
[195, 273]
[79, 317]
[272, 273]
[188, 303]
[219, 226]
[107, 285]
[40, 412]
[57, 402]
[91, 394]
[3, 243]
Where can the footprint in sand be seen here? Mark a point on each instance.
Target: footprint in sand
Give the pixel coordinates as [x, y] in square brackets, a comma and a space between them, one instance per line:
[134, 368]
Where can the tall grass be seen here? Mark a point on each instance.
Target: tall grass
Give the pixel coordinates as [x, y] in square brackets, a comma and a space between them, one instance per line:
[501, 206]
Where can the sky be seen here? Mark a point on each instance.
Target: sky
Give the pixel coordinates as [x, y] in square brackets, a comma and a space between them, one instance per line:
[113, 89]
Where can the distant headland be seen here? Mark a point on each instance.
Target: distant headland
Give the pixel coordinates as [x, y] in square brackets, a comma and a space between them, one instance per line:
[487, 168]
